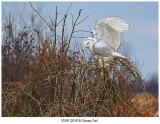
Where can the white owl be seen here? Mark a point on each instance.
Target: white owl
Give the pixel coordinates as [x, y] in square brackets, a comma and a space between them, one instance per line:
[106, 39]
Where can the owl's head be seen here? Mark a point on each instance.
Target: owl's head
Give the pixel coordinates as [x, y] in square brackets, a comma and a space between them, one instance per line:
[88, 41]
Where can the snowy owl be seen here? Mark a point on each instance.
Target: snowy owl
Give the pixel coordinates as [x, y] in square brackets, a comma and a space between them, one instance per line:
[106, 41]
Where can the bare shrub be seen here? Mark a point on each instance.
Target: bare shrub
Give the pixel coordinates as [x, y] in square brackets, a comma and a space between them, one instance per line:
[59, 81]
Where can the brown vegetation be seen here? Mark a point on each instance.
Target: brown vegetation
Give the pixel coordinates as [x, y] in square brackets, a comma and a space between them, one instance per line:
[139, 100]
[47, 78]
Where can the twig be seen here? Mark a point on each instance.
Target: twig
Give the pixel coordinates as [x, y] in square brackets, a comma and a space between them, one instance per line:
[133, 70]
[55, 27]
[82, 31]
[73, 28]
[82, 20]
[41, 17]
[92, 35]
[39, 103]
[51, 20]
[69, 8]
[79, 37]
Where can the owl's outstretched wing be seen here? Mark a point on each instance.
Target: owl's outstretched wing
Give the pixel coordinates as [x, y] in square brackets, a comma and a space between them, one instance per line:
[95, 31]
[116, 23]
[109, 30]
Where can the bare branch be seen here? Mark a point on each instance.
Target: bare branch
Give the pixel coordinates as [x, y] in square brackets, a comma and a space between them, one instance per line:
[65, 14]
[91, 31]
[54, 35]
[63, 27]
[51, 20]
[73, 28]
[83, 20]
[69, 8]
[79, 37]
[60, 21]
[72, 20]
[55, 28]
[41, 17]
[82, 31]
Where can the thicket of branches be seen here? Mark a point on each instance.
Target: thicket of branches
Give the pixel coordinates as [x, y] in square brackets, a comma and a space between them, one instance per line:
[48, 78]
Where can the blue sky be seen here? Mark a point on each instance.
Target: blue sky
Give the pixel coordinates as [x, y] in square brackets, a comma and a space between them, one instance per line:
[142, 39]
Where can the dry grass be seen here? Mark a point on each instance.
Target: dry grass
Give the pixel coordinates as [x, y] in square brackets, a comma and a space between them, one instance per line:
[139, 101]
[43, 79]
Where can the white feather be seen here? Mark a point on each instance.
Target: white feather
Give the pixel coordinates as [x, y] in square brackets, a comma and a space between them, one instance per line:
[106, 39]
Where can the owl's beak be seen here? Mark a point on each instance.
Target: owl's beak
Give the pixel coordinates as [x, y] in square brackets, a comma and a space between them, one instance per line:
[85, 44]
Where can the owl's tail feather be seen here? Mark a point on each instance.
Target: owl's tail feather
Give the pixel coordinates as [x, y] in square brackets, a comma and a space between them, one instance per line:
[106, 61]
[118, 55]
